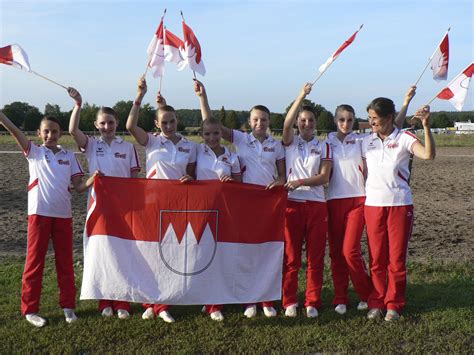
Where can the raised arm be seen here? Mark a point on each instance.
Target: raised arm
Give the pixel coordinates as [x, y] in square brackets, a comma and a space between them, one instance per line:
[74, 131]
[19, 136]
[132, 122]
[293, 114]
[427, 151]
[402, 114]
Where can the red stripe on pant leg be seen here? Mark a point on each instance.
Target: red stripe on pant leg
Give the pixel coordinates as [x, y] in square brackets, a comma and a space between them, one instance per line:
[315, 235]
[400, 222]
[352, 250]
[39, 230]
[62, 243]
[294, 229]
[337, 211]
[376, 222]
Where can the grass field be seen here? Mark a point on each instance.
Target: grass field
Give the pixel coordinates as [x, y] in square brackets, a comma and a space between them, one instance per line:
[438, 318]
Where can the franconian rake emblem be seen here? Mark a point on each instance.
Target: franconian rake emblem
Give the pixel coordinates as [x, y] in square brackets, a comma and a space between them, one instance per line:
[188, 240]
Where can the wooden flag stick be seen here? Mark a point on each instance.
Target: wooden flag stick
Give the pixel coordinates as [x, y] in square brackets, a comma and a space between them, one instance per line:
[50, 80]
[161, 81]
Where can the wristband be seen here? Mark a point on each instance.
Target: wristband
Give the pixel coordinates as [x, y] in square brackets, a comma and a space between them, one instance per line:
[79, 103]
[137, 103]
[301, 182]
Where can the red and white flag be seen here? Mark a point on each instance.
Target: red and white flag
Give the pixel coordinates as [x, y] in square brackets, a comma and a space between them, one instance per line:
[205, 242]
[456, 91]
[332, 58]
[15, 56]
[440, 60]
[156, 53]
[173, 49]
[192, 51]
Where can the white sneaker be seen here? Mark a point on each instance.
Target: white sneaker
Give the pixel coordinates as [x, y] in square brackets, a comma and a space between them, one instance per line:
[36, 320]
[392, 315]
[203, 309]
[107, 312]
[311, 312]
[217, 316]
[166, 316]
[362, 306]
[70, 315]
[148, 314]
[251, 311]
[374, 313]
[123, 314]
[291, 311]
[341, 309]
[269, 312]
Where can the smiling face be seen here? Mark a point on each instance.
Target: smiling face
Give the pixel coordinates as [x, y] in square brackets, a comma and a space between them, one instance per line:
[212, 134]
[106, 124]
[344, 121]
[380, 124]
[259, 122]
[167, 123]
[306, 124]
[49, 132]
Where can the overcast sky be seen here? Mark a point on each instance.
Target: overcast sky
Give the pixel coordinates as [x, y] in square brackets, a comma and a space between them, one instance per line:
[255, 52]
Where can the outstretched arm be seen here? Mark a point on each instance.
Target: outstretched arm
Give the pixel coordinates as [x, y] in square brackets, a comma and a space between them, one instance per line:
[74, 131]
[19, 136]
[292, 114]
[132, 122]
[427, 151]
[403, 110]
[81, 185]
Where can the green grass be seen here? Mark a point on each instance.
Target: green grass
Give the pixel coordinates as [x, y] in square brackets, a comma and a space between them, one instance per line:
[438, 318]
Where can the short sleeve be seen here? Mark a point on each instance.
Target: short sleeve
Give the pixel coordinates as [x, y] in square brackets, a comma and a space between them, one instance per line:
[409, 140]
[235, 168]
[326, 151]
[280, 151]
[192, 153]
[90, 145]
[151, 141]
[76, 169]
[32, 151]
[134, 161]
[363, 148]
[238, 137]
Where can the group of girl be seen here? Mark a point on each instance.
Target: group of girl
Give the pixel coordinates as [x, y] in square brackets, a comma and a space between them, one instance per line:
[368, 185]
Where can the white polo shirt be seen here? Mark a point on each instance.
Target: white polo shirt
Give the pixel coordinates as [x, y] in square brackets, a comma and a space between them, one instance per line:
[347, 175]
[49, 192]
[258, 160]
[211, 167]
[166, 160]
[387, 165]
[118, 159]
[303, 160]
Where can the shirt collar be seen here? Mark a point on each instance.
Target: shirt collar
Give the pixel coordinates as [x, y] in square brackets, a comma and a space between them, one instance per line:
[166, 139]
[116, 139]
[61, 149]
[268, 139]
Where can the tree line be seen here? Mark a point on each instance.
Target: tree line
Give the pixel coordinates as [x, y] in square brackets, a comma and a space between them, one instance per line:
[28, 117]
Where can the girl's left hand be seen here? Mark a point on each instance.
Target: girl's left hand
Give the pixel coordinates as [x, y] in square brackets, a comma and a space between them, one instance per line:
[424, 115]
[185, 178]
[293, 185]
[277, 182]
[226, 178]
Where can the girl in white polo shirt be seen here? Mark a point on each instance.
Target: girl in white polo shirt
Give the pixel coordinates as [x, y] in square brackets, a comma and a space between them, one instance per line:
[262, 160]
[52, 169]
[308, 167]
[168, 156]
[113, 157]
[346, 198]
[389, 204]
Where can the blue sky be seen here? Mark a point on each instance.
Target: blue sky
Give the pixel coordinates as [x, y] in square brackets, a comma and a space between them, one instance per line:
[255, 52]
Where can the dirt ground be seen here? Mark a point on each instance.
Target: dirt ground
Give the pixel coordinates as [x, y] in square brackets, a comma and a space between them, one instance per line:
[443, 192]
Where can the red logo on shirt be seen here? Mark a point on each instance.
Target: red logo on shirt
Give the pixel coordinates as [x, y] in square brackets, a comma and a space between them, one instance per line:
[392, 145]
[224, 159]
[180, 149]
[314, 151]
[351, 142]
[266, 149]
[121, 156]
[63, 162]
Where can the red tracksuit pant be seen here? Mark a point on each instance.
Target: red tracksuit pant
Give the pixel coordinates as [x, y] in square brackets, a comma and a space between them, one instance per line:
[115, 305]
[305, 221]
[388, 232]
[211, 308]
[346, 224]
[40, 230]
[157, 307]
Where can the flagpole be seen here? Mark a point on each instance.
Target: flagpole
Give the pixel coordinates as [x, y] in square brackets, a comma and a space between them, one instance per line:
[161, 80]
[429, 60]
[321, 74]
[50, 80]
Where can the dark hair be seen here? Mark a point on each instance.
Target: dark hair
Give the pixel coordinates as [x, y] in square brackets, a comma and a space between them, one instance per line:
[260, 108]
[382, 106]
[210, 121]
[344, 107]
[52, 119]
[163, 109]
[108, 111]
[307, 108]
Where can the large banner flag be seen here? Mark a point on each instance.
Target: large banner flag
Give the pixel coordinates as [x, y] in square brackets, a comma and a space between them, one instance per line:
[204, 242]
[440, 60]
[156, 53]
[192, 50]
[15, 56]
[332, 58]
[456, 91]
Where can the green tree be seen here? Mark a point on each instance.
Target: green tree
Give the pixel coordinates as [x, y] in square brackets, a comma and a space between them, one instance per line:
[276, 121]
[16, 112]
[88, 115]
[32, 120]
[231, 120]
[325, 122]
[146, 118]
[55, 111]
[440, 120]
[123, 109]
[222, 116]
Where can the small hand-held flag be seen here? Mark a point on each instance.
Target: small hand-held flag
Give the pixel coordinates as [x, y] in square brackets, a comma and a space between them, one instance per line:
[173, 48]
[155, 50]
[15, 56]
[333, 57]
[192, 50]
